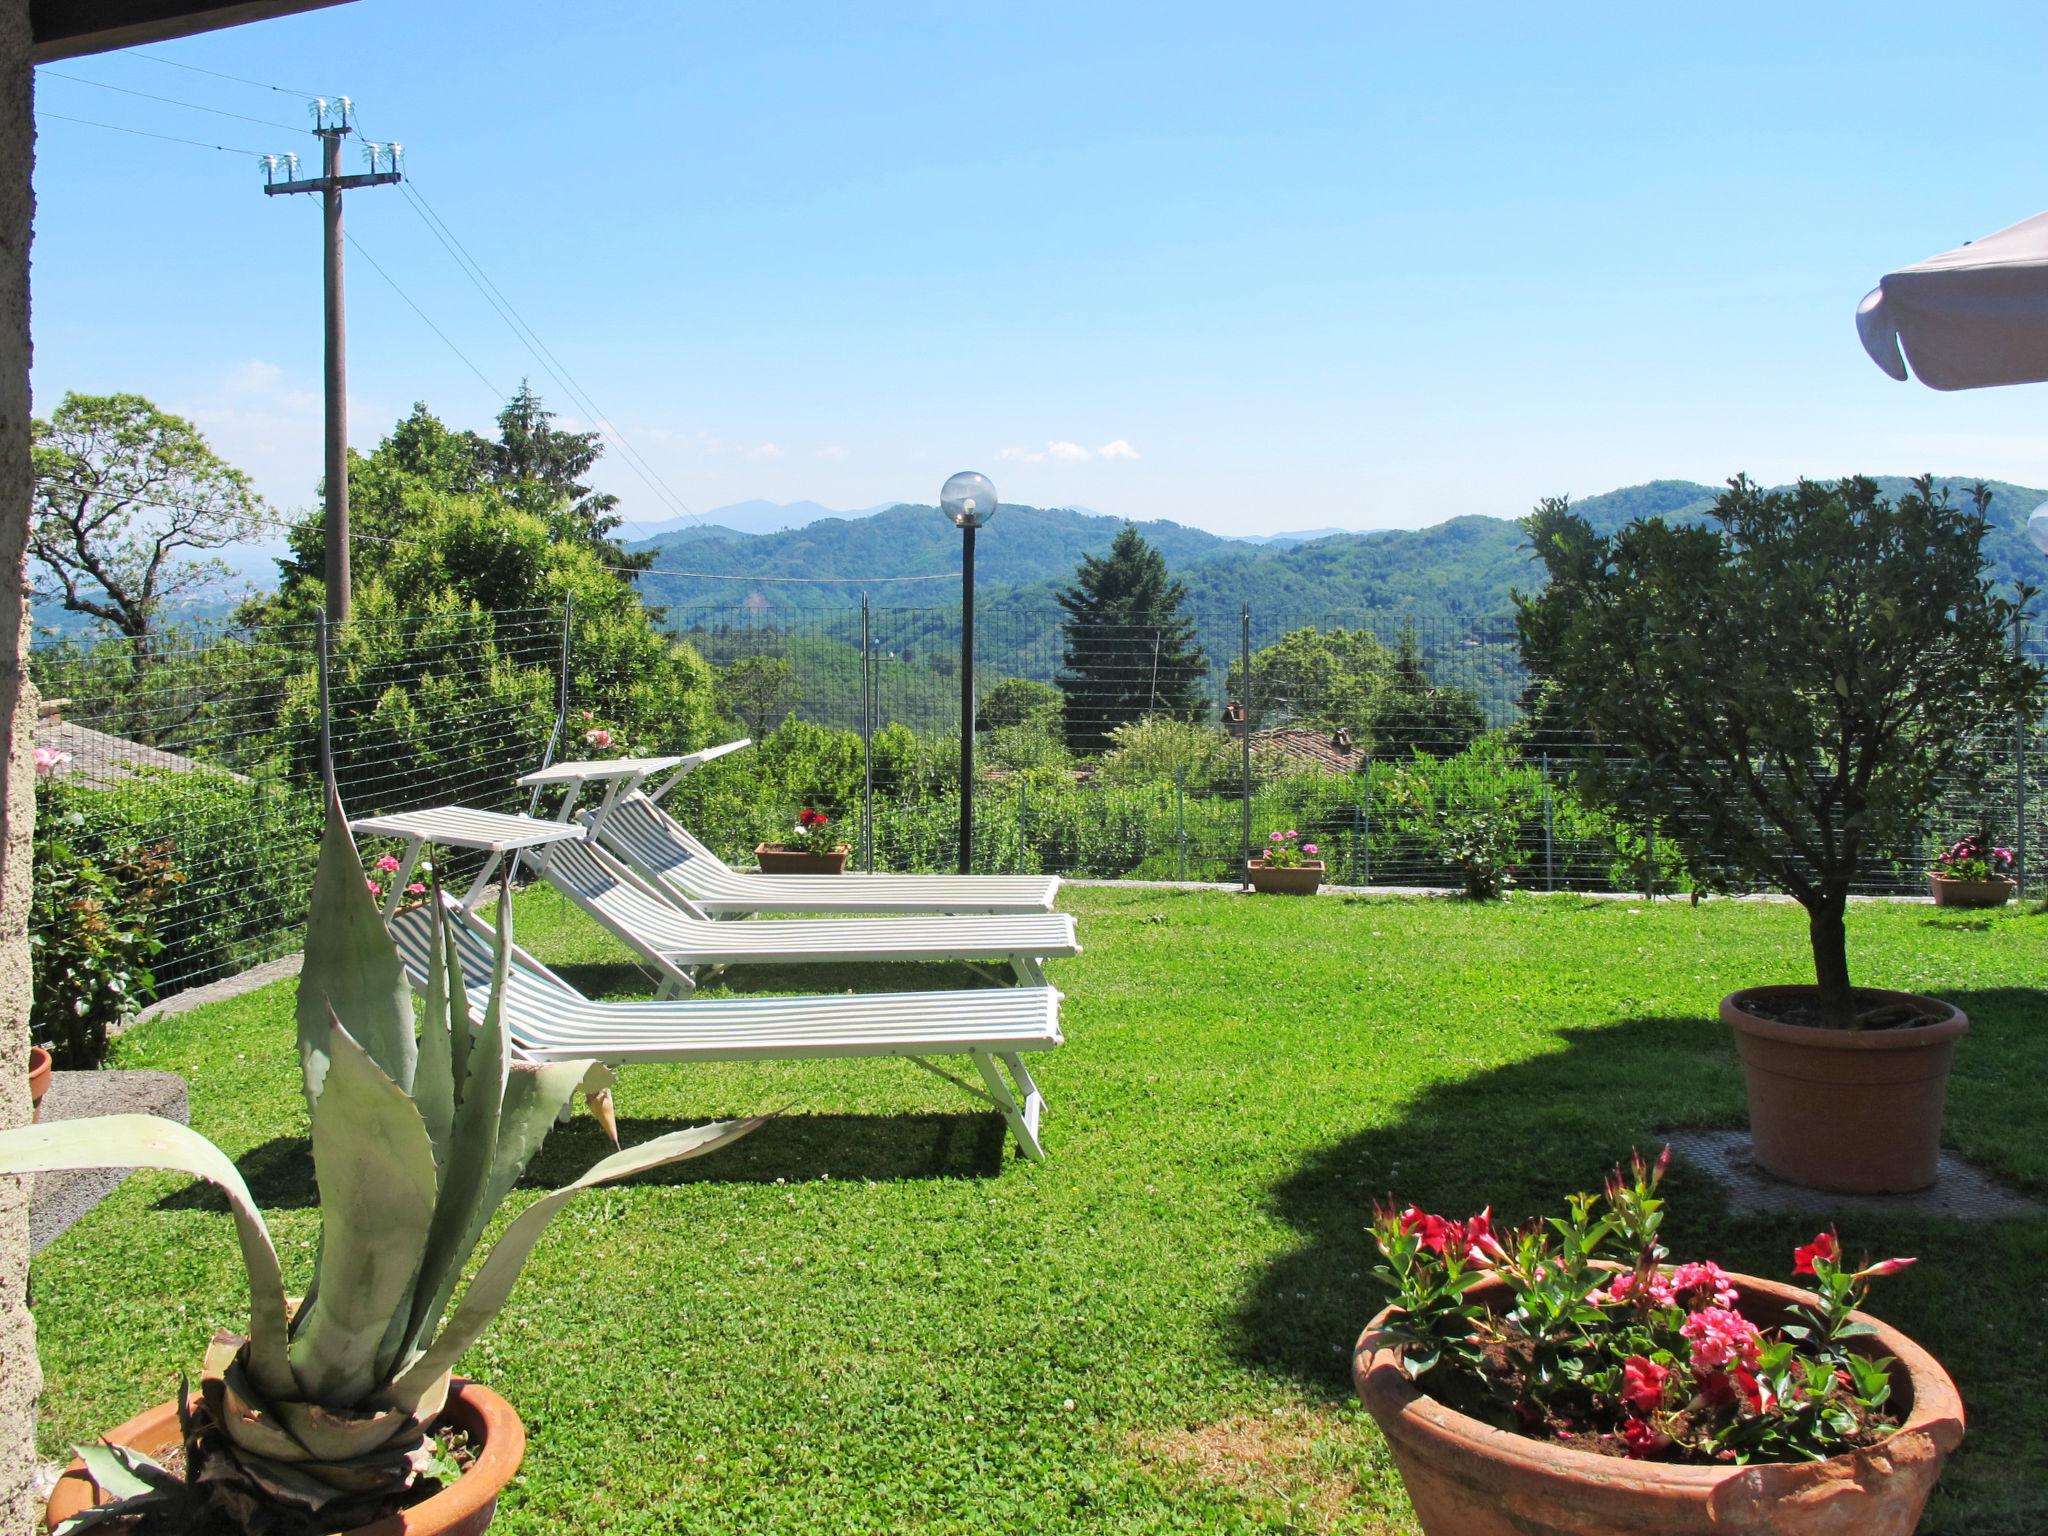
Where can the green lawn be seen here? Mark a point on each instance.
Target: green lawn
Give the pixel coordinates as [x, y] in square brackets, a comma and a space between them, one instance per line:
[874, 1316]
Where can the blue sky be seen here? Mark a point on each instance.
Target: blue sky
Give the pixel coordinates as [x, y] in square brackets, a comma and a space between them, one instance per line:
[1252, 268]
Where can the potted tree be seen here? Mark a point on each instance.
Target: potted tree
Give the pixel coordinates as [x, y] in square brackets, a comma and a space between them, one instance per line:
[815, 851]
[1288, 868]
[1565, 1379]
[1972, 872]
[1781, 692]
[332, 1413]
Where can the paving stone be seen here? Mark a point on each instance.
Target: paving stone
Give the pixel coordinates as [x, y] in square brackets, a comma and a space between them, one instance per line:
[59, 1199]
[1960, 1192]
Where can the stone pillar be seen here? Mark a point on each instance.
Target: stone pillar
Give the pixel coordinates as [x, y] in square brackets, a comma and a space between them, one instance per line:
[20, 1377]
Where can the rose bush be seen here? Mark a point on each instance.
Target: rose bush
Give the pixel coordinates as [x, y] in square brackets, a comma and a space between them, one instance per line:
[1604, 1346]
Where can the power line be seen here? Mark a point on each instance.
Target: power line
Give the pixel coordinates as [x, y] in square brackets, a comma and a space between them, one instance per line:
[261, 85]
[496, 393]
[172, 101]
[168, 138]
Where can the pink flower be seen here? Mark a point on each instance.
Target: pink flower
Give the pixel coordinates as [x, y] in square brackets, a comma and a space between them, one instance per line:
[388, 864]
[1720, 1336]
[599, 737]
[1642, 1384]
[1292, 833]
[1642, 1439]
[1276, 837]
[1310, 848]
[49, 760]
[415, 889]
[375, 888]
[1884, 1267]
[1699, 1284]
[1623, 1288]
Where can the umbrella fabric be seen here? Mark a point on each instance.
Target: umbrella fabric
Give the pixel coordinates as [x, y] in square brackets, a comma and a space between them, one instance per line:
[1971, 317]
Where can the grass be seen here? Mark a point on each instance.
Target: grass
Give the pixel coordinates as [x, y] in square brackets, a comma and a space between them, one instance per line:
[873, 1315]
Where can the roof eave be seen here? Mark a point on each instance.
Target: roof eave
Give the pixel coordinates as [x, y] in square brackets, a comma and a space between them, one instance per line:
[65, 29]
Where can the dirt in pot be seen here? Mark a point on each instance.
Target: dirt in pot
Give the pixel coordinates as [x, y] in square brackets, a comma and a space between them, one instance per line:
[1874, 1010]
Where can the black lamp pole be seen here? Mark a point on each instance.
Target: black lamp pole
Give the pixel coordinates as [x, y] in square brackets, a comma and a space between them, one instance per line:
[967, 699]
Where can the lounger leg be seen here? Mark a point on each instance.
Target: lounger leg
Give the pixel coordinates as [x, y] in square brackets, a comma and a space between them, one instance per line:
[1022, 1118]
[1025, 1082]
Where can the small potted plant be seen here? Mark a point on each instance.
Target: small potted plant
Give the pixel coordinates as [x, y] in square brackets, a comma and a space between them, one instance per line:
[1563, 1379]
[1973, 873]
[339, 1412]
[40, 1066]
[815, 849]
[1290, 866]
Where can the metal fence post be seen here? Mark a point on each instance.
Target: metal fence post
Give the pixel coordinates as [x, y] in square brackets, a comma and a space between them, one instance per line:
[1549, 817]
[1023, 823]
[1180, 819]
[547, 758]
[867, 743]
[326, 719]
[2019, 775]
[1365, 827]
[1245, 708]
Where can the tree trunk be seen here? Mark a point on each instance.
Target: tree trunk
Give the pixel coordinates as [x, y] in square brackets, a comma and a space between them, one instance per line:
[20, 1378]
[1829, 936]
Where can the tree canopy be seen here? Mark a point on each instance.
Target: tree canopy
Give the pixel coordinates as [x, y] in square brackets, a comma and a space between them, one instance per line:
[1789, 685]
[1129, 647]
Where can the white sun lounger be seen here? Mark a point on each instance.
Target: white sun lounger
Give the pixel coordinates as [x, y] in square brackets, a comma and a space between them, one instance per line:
[660, 849]
[546, 1019]
[678, 943]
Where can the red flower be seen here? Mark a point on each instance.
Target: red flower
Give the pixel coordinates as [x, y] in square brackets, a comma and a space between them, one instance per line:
[1754, 1392]
[1437, 1234]
[810, 818]
[1642, 1384]
[1716, 1389]
[1884, 1267]
[1642, 1440]
[1824, 1246]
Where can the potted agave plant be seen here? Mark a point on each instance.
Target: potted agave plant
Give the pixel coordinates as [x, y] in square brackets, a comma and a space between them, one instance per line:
[1972, 872]
[338, 1412]
[815, 851]
[1760, 683]
[1288, 867]
[1564, 1379]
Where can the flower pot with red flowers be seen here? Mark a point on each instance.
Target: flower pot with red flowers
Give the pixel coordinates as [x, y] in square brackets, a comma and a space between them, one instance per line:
[1973, 872]
[815, 850]
[1289, 867]
[40, 1066]
[1781, 694]
[1567, 1380]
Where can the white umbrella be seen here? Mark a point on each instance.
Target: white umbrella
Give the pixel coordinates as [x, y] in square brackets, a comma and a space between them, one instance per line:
[1971, 317]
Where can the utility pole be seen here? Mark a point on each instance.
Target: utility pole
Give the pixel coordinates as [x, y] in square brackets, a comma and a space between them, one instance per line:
[331, 120]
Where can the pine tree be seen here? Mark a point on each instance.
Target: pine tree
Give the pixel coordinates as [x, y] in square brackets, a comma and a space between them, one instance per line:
[538, 468]
[1130, 649]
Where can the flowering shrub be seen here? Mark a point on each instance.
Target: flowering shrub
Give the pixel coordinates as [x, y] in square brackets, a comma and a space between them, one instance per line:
[599, 738]
[1974, 858]
[1286, 850]
[384, 869]
[1630, 1356]
[814, 832]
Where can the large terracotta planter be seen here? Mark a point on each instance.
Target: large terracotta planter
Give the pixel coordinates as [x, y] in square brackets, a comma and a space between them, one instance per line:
[1950, 892]
[39, 1065]
[1467, 1478]
[778, 860]
[464, 1508]
[1852, 1111]
[1303, 879]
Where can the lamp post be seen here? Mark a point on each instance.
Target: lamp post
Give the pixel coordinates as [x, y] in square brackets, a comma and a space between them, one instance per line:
[968, 501]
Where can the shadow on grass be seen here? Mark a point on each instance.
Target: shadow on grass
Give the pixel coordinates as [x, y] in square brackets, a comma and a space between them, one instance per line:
[794, 1148]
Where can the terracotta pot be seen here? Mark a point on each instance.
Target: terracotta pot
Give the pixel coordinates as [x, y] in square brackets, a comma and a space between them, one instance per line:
[1302, 879]
[464, 1508]
[1950, 892]
[778, 860]
[1852, 1111]
[1467, 1478]
[39, 1065]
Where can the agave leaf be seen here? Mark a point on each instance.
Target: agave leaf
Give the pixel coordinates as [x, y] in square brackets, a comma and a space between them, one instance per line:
[100, 1514]
[149, 1141]
[375, 1168]
[466, 1203]
[433, 1087]
[331, 1435]
[122, 1473]
[494, 1281]
[351, 967]
[251, 1424]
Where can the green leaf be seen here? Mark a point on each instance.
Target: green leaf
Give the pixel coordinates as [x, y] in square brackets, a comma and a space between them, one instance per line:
[149, 1141]
[375, 1167]
[494, 1281]
[123, 1473]
[351, 968]
[433, 1086]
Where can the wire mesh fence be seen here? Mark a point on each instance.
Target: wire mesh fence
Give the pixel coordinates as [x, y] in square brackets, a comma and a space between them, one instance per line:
[1108, 749]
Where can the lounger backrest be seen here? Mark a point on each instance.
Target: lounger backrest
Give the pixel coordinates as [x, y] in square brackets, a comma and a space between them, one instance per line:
[412, 933]
[590, 875]
[656, 841]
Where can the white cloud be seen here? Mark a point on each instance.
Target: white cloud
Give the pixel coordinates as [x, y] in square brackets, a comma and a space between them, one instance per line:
[1067, 453]
[761, 453]
[1120, 449]
[1060, 451]
[832, 452]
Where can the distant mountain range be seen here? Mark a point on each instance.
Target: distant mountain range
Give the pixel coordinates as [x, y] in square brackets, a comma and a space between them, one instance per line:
[756, 516]
[1458, 572]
